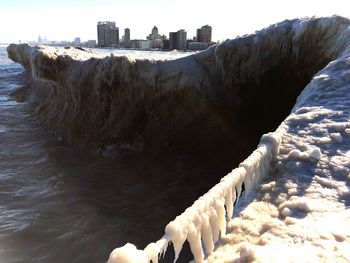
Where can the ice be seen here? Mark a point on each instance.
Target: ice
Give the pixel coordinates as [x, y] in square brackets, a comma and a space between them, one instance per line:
[315, 153]
[299, 29]
[289, 200]
[310, 190]
[206, 218]
[347, 131]
[128, 254]
[300, 211]
[131, 55]
[336, 137]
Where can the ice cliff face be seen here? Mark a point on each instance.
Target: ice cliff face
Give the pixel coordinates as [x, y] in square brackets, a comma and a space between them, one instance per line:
[242, 87]
[145, 104]
[202, 101]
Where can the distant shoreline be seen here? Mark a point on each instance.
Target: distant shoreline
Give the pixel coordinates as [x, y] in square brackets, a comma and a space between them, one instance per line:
[136, 49]
[108, 48]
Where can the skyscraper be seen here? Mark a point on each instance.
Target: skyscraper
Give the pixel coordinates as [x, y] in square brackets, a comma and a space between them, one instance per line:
[77, 41]
[127, 37]
[204, 34]
[154, 34]
[178, 40]
[182, 39]
[107, 34]
[172, 40]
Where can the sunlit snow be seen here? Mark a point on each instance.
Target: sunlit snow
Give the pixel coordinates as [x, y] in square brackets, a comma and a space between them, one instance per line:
[301, 211]
[87, 53]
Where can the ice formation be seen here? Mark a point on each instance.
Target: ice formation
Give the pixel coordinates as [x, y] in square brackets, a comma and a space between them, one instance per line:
[198, 102]
[270, 228]
[302, 170]
[301, 211]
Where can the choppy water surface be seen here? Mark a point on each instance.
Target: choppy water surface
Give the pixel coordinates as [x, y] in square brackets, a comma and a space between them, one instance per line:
[61, 204]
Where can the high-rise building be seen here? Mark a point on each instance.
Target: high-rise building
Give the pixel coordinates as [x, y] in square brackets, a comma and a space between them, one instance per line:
[154, 34]
[127, 37]
[156, 39]
[172, 40]
[77, 41]
[107, 34]
[178, 40]
[182, 41]
[204, 34]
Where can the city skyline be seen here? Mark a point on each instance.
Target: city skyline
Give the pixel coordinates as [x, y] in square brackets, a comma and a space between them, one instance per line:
[64, 20]
[108, 36]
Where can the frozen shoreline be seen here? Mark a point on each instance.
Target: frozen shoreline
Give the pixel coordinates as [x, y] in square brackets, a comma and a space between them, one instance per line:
[305, 155]
[300, 212]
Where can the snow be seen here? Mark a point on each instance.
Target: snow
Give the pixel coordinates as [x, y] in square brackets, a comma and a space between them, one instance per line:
[132, 55]
[301, 212]
[128, 254]
[149, 55]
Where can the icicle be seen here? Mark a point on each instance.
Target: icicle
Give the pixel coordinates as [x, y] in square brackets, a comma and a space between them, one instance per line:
[239, 190]
[220, 210]
[177, 236]
[213, 219]
[207, 234]
[229, 203]
[153, 250]
[233, 191]
[163, 244]
[194, 239]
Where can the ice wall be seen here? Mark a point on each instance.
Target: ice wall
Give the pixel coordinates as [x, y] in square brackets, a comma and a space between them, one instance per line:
[142, 104]
[199, 102]
[300, 212]
[202, 101]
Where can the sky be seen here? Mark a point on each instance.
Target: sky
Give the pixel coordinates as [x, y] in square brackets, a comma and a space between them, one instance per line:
[66, 19]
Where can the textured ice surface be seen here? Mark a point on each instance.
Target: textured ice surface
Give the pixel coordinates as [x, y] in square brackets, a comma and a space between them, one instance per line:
[300, 212]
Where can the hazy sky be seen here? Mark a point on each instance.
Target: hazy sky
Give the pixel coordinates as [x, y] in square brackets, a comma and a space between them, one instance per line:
[67, 19]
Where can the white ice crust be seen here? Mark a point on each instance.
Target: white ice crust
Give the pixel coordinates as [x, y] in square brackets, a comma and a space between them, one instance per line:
[132, 55]
[295, 207]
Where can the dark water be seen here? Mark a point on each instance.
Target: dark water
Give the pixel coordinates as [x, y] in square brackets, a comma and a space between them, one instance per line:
[61, 204]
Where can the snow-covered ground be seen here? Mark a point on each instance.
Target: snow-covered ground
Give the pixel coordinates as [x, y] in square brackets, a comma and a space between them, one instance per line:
[301, 211]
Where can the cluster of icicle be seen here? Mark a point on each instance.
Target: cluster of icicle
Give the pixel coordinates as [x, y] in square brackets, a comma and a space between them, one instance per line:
[205, 221]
